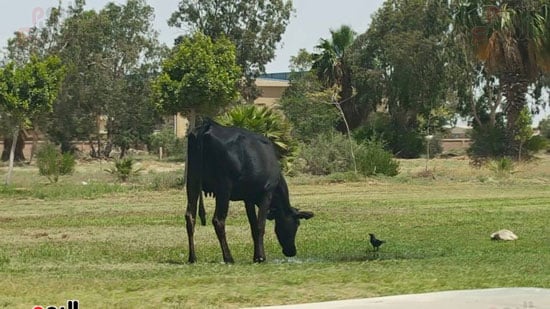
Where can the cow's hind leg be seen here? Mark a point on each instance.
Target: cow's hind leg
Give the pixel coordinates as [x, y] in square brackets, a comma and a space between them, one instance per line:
[220, 214]
[193, 193]
[202, 212]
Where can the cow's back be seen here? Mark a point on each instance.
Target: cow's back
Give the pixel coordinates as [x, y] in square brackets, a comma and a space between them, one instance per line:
[245, 160]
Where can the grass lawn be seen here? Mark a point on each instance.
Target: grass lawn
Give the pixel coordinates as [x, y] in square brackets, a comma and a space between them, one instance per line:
[125, 246]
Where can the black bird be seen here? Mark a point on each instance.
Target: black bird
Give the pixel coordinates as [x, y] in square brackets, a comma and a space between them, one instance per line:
[376, 243]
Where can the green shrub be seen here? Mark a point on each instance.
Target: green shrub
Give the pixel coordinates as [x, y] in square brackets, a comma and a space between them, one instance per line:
[171, 145]
[373, 159]
[123, 169]
[52, 163]
[488, 142]
[406, 144]
[536, 144]
[403, 142]
[327, 153]
[436, 148]
[544, 127]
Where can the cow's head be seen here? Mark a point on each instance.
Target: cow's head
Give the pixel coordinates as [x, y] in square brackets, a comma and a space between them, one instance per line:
[287, 221]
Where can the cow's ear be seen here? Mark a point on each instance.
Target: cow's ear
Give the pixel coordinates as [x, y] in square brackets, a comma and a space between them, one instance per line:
[305, 215]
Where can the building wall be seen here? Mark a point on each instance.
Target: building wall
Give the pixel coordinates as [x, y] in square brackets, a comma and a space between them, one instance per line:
[83, 147]
[455, 144]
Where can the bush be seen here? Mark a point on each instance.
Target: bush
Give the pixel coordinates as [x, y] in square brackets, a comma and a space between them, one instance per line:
[436, 148]
[407, 144]
[488, 142]
[171, 145]
[327, 153]
[536, 144]
[373, 159]
[544, 127]
[403, 142]
[123, 169]
[52, 163]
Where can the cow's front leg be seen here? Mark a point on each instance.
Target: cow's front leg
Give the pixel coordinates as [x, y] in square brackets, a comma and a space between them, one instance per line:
[263, 208]
[259, 254]
[220, 214]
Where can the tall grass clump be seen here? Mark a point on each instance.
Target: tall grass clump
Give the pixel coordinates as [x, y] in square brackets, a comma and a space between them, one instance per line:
[52, 163]
[503, 167]
[164, 180]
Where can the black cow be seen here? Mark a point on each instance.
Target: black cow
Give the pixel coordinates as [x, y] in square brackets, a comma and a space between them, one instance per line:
[238, 165]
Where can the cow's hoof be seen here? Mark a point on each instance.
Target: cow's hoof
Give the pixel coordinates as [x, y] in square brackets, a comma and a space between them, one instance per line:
[259, 259]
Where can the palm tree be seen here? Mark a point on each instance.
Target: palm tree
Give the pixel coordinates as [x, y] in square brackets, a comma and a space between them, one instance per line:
[268, 122]
[334, 71]
[511, 38]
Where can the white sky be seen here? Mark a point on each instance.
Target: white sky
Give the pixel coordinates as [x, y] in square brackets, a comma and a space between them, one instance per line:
[311, 21]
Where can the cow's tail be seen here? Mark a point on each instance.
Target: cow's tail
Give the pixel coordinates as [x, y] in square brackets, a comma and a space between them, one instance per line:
[195, 155]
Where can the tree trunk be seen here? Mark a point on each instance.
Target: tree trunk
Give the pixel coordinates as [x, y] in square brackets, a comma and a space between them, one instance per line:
[20, 146]
[354, 114]
[515, 88]
[12, 154]
[34, 142]
[122, 152]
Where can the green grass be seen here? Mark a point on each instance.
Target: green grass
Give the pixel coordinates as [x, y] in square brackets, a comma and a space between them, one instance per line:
[124, 245]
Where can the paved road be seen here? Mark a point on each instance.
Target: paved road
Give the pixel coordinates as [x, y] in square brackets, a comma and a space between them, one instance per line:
[505, 298]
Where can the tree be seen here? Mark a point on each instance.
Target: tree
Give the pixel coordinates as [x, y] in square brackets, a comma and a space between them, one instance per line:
[399, 66]
[254, 26]
[524, 131]
[200, 76]
[103, 51]
[132, 120]
[112, 54]
[20, 48]
[26, 91]
[308, 108]
[333, 69]
[510, 39]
